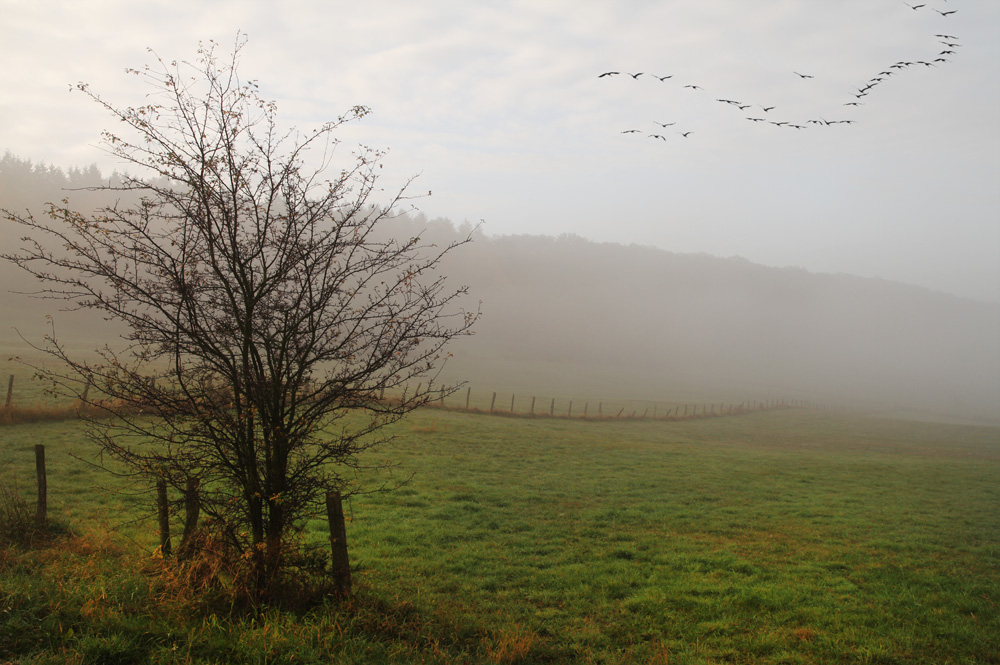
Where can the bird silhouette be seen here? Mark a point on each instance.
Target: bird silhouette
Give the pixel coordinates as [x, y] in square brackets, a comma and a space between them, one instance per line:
[948, 41]
[951, 11]
[914, 6]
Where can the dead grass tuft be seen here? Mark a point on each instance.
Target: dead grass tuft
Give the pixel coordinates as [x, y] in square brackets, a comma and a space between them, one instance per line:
[804, 634]
[511, 646]
[17, 523]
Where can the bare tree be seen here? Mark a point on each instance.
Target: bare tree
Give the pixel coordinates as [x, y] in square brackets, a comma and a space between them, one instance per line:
[268, 302]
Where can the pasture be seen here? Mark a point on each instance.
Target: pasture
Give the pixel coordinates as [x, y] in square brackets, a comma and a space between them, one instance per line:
[788, 536]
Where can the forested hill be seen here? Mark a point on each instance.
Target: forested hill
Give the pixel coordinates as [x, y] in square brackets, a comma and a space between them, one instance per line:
[569, 316]
[645, 320]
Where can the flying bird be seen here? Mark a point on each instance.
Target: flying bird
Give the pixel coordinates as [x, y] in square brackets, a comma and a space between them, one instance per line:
[767, 108]
[805, 76]
[657, 136]
[608, 74]
[631, 131]
[694, 87]
[952, 11]
[662, 78]
[664, 124]
[635, 76]
[914, 6]
[756, 119]
[684, 134]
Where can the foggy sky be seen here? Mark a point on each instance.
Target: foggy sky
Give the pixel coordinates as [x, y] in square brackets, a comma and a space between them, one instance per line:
[498, 106]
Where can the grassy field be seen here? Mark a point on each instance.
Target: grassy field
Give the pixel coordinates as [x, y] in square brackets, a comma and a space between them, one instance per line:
[787, 536]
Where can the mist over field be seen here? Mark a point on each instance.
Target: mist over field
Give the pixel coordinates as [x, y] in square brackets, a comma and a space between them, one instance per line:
[576, 317]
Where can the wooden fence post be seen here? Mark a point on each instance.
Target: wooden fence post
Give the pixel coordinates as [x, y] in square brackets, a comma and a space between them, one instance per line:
[569, 413]
[585, 406]
[493, 401]
[10, 392]
[512, 402]
[532, 406]
[468, 395]
[552, 409]
[163, 513]
[341, 567]
[192, 509]
[41, 509]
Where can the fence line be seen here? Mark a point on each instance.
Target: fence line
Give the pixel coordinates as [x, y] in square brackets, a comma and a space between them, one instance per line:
[663, 411]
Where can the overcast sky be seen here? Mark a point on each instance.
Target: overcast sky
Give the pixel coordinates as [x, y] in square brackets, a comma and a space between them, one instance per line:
[499, 107]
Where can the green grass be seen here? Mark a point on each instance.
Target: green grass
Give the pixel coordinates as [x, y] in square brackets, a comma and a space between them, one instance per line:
[774, 537]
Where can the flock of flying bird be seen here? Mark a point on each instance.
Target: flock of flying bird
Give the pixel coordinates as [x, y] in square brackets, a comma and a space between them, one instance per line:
[947, 46]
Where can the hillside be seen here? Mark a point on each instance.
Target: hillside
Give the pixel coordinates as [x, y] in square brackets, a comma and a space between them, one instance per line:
[570, 316]
[643, 320]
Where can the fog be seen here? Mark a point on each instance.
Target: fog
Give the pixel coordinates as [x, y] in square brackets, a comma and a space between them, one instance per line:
[627, 320]
[572, 317]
